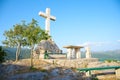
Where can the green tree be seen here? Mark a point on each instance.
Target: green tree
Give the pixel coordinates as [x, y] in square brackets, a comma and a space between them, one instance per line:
[2, 55]
[15, 38]
[25, 35]
[34, 34]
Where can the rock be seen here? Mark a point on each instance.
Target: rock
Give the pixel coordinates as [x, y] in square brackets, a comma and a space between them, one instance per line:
[18, 71]
[29, 76]
[55, 72]
[64, 74]
[48, 45]
[67, 77]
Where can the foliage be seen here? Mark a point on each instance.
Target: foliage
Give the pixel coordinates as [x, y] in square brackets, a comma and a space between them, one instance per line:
[2, 55]
[33, 69]
[24, 35]
[15, 38]
[14, 35]
[34, 34]
[111, 60]
[94, 78]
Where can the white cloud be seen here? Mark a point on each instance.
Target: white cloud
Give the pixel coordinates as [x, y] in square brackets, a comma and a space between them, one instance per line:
[100, 46]
[118, 40]
[95, 43]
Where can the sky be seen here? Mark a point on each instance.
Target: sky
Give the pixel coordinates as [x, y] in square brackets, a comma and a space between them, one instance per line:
[93, 23]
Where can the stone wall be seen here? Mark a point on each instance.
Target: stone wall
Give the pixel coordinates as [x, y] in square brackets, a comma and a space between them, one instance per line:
[57, 56]
[74, 63]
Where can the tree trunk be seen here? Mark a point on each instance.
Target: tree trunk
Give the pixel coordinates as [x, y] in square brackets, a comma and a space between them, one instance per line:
[18, 51]
[32, 55]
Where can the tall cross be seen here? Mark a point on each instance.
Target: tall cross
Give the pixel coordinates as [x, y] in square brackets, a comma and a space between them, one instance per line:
[48, 18]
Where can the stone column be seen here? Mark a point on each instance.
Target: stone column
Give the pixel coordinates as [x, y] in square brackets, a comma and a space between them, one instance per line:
[88, 54]
[78, 53]
[73, 54]
[117, 72]
[69, 53]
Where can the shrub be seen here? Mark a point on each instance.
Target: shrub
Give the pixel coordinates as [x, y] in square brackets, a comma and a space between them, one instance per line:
[2, 55]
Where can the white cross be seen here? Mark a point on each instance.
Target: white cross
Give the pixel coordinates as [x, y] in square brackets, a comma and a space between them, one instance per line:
[48, 18]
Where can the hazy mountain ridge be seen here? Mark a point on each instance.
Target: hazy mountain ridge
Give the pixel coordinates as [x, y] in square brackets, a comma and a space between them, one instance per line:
[102, 55]
[11, 53]
[111, 54]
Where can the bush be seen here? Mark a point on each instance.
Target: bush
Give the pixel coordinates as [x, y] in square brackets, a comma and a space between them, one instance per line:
[111, 60]
[2, 55]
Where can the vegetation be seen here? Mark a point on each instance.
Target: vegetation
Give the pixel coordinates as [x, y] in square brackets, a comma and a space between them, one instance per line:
[111, 60]
[25, 35]
[33, 35]
[2, 55]
[15, 37]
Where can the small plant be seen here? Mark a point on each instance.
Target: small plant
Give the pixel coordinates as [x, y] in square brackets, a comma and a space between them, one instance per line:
[43, 70]
[94, 78]
[114, 60]
[2, 55]
[108, 60]
[33, 69]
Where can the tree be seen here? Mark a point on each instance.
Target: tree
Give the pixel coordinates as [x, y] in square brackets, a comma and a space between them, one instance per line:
[34, 34]
[2, 55]
[25, 35]
[15, 37]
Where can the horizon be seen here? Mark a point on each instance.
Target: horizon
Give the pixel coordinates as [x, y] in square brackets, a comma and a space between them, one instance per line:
[86, 23]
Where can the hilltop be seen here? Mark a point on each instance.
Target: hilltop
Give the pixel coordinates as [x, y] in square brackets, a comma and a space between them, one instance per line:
[21, 70]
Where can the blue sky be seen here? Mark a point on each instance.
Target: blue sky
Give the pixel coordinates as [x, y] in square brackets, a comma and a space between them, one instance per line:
[78, 22]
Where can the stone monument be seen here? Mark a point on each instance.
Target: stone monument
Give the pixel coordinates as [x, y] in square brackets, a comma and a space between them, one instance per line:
[48, 17]
[47, 45]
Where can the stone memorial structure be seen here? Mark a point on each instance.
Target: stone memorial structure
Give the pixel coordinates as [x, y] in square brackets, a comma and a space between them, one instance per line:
[48, 17]
[47, 45]
[73, 52]
[71, 60]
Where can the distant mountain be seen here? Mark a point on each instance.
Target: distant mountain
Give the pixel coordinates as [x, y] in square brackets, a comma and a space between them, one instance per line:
[115, 54]
[11, 53]
[102, 55]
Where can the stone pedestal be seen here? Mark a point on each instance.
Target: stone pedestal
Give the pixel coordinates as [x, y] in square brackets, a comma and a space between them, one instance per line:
[78, 53]
[117, 72]
[69, 50]
[88, 54]
[88, 73]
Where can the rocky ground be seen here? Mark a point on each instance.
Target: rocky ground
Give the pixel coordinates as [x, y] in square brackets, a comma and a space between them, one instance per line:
[21, 70]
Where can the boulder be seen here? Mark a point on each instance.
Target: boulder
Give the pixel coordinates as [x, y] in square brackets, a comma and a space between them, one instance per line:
[46, 45]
